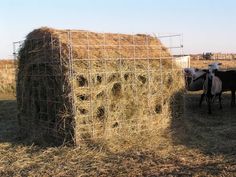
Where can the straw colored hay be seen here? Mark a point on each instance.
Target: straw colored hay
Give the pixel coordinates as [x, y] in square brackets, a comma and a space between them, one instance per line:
[7, 76]
[80, 85]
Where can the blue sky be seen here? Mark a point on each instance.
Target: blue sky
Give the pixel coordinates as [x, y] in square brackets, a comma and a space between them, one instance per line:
[207, 25]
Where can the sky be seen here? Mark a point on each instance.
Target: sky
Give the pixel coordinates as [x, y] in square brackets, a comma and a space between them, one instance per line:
[206, 25]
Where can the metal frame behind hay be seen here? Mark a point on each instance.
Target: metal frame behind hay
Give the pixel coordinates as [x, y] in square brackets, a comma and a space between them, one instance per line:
[105, 59]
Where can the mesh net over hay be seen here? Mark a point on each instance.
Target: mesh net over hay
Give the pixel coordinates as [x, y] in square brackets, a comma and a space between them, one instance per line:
[78, 85]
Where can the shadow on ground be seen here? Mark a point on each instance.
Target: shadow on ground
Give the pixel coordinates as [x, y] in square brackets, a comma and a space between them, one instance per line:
[9, 128]
[194, 128]
[8, 123]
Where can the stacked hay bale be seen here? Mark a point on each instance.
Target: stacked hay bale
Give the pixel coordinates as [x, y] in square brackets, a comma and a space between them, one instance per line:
[7, 76]
[80, 85]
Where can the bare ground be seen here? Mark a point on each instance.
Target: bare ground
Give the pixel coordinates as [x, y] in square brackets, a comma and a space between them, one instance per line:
[195, 144]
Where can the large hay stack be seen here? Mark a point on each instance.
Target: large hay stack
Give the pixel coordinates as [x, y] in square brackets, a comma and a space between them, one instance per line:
[79, 85]
[7, 76]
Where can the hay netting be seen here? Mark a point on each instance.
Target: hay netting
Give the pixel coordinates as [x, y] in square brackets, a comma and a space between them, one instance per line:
[7, 76]
[83, 85]
[43, 92]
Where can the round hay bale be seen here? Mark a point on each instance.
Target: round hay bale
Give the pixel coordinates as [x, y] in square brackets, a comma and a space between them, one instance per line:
[77, 84]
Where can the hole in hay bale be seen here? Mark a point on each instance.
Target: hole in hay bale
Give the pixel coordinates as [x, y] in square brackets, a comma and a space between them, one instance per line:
[99, 79]
[83, 97]
[158, 108]
[116, 89]
[142, 79]
[115, 125]
[83, 111]
[126, 76]
[82, 81]
[101, 113]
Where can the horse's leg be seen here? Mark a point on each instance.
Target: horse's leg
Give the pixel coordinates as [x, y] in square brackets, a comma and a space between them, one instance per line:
[220, 100]
[233, 98]
[201, 99]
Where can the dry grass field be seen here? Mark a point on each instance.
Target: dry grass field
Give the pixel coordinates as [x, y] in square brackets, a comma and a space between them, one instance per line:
[7, 76]
[192, 144]
[226, 64]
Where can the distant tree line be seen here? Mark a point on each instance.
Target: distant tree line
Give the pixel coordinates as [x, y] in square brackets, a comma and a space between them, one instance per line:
[207, 55]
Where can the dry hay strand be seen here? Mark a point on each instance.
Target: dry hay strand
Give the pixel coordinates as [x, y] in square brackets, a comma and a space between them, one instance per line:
[79, 86]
